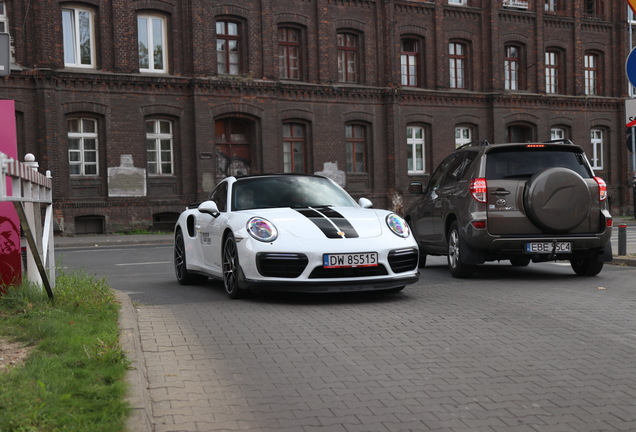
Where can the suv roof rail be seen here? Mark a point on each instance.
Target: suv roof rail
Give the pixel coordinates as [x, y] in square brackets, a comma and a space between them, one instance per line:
[560, 140]
[475, 144]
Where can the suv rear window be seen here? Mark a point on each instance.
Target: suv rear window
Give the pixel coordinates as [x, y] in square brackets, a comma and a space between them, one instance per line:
[524, 162]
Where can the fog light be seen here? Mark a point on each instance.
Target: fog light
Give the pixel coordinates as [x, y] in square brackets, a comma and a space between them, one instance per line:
[479, 224]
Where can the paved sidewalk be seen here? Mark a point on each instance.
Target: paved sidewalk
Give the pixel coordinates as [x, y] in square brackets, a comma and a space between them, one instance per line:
[132, 339]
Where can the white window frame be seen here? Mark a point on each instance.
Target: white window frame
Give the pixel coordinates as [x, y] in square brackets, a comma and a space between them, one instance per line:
[4, 28]
[151, 37]
[457, 2]
[416, 150]
[154, 140]
[596, 138]
[4, 20]
[512, 66]
[557, 133]
[550, 5]
[71, 29]
[463, 135]
[551, 72]
[82, 150]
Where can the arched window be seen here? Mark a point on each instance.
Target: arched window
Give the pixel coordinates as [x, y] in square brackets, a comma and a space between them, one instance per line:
[153, 45]
[159, 147]
[416, 149]
[228, 47]
[83, 156]
[289, 50]
[458, 63]
[294, 145]
[348, 57]
[356, 148]
[410, 62]
[512, 67]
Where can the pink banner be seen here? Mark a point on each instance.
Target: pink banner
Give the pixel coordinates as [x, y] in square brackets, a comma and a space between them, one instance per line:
[10, 253]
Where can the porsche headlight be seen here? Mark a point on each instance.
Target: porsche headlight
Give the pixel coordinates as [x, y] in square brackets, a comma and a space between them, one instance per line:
[398, 226]
[262, 229]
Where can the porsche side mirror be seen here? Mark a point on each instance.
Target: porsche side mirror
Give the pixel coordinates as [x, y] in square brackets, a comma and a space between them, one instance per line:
[209, 207]
[365, 203]
[416, 188]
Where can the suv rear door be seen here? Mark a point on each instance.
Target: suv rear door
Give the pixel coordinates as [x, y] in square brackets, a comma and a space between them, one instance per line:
[540, 188]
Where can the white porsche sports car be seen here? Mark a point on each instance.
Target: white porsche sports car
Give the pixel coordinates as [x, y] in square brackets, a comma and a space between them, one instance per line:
[292, 232]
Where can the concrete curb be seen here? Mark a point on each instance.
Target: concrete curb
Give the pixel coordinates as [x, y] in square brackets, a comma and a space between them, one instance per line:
[137, 376]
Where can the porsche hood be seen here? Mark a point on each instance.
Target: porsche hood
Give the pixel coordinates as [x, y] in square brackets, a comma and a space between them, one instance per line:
[327, 222]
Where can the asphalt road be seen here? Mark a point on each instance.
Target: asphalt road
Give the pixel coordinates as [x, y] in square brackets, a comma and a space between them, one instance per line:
[512, 349]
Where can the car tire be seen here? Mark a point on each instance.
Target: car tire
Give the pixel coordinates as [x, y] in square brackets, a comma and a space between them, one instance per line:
[184, 277]
[455, 265]
[519, 261]
[231, 269]
[557, 199]
[590, 266]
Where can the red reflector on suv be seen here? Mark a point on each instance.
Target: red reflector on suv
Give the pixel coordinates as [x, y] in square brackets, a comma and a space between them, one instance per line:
[478, 189]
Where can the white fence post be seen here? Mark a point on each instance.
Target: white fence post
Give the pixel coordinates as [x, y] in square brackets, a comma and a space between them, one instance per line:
[29, 190]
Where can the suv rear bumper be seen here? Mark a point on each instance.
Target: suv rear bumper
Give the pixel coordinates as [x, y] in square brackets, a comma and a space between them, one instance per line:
[489, 248]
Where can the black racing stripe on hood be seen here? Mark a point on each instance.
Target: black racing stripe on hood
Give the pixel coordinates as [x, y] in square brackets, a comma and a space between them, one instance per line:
[328, 227]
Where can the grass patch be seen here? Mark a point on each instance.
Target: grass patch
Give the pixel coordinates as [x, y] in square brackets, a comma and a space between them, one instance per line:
[74, 378]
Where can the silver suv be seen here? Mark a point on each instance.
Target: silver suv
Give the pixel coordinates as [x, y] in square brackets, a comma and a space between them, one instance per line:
[519, 202]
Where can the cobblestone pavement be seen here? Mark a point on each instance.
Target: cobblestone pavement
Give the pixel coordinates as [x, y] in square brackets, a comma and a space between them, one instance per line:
[555, 353]
[530, 349]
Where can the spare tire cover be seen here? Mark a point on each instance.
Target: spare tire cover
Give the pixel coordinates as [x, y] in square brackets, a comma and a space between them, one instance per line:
[557, 199]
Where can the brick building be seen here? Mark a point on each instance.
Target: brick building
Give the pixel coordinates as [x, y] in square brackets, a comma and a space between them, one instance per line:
[138, 107]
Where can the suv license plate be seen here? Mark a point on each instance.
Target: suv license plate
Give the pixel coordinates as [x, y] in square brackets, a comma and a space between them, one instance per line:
[548, 247]
[367, 259]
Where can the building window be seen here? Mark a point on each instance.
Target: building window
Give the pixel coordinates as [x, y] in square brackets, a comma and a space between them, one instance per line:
[228, 48]
[409, 62]
[159, 147]
[457, 2]
[294, 148]
[77, 28]
[591, 74]
[356, 148]
[347, 57]
[597, 148]
[552, 75]
[463, 135]
[4, 21]
[415, 149]
[4, 27]
[457, 64]
[594, 7]
[554, 5]
[511, 68]
[289, 53]
[82, 147]
[557, 134]
[151, 31]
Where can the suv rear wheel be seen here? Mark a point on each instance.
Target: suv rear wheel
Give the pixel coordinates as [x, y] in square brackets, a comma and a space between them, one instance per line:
[590, 266]
[455, 265]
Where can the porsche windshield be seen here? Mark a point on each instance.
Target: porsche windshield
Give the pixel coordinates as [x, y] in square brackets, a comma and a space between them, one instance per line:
[288, 191]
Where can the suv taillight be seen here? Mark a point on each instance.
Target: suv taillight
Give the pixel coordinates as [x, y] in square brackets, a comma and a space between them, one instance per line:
[478, 189]
[602, 189]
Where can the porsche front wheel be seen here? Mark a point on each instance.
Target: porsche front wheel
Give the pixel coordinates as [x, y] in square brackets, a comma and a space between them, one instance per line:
[231, 269]
[184, 277]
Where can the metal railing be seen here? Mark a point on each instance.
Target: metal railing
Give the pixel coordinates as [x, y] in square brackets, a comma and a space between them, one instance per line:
[28, 189]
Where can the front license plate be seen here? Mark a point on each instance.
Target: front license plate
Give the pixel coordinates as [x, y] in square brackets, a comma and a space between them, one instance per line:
[366, 259]
[548, 247]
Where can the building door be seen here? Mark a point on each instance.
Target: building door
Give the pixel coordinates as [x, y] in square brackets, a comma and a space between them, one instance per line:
[232, 139]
